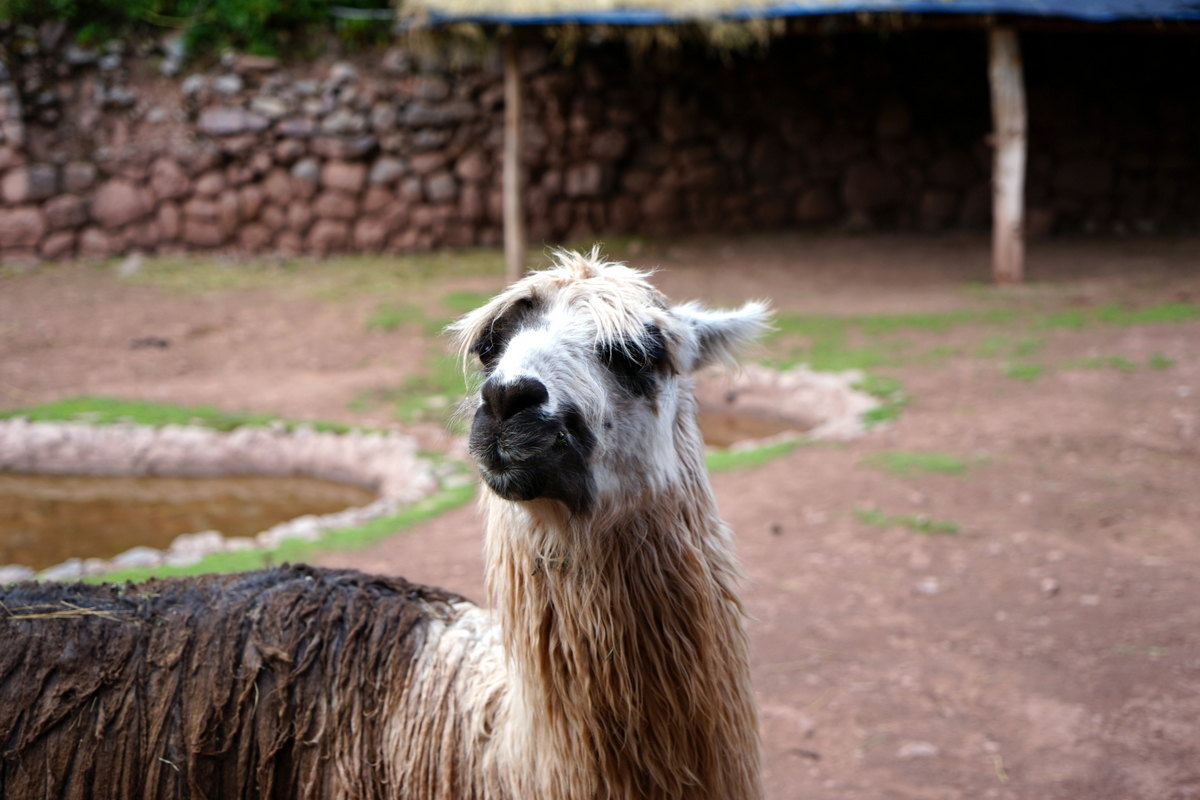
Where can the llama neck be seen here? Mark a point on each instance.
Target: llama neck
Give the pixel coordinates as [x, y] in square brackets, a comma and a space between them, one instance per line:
[625, 641]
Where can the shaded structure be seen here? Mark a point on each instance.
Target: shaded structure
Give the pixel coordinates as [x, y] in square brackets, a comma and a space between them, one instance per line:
[1001, 18]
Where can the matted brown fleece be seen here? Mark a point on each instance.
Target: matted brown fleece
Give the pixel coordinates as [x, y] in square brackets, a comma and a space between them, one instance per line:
[210, 687]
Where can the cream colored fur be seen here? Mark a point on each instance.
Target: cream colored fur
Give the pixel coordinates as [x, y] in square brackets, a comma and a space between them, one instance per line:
[616, 666]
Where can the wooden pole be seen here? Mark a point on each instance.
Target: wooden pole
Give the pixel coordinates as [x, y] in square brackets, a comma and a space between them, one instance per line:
[514, 211]
[1008, 165]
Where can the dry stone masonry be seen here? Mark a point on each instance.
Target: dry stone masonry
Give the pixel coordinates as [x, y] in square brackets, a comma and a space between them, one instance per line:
[115, 150]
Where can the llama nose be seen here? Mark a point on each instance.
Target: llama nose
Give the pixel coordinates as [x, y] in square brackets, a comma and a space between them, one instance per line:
[506, 400]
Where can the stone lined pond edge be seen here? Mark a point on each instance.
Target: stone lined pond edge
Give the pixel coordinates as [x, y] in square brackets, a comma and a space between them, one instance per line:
[387, 463]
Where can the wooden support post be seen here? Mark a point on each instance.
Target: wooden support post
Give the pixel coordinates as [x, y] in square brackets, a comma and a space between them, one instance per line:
[514, 209]
[1008, 164]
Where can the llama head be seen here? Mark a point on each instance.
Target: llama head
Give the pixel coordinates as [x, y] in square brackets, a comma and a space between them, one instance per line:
[586, 397]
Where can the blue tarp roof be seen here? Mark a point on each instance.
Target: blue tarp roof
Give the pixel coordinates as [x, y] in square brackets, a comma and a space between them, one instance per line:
[1083, 10]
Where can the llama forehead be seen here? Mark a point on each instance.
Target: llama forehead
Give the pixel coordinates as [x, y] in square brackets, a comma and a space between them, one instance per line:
[580, 301]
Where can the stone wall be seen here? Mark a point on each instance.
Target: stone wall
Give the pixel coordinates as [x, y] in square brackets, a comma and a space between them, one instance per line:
[101, 153]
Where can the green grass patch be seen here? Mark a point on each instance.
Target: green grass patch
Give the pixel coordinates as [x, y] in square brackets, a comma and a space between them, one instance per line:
[1159, 361]
[294, 551]
[1166, 313]
[906, 464]
[1024, 372]
[462, 301]
[891, 395]
[1074, 319]
[994, 345]
[100, 410]
[750, 458]
[1027, 347]
[936, 355]
[918, 523]
[389, 317]
[884, 324]
[1104, 362]
[1079, 318]
[429, 395]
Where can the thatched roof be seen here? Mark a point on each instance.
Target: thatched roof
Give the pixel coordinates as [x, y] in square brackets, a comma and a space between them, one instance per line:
[668, 12]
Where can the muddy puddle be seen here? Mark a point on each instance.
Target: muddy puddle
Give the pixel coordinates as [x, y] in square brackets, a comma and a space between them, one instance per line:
[45, 519]
[727, 428]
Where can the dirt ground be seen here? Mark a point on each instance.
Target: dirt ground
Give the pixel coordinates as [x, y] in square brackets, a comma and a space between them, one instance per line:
[1048, 649]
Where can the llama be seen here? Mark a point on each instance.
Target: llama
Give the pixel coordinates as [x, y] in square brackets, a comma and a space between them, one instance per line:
[612, 665]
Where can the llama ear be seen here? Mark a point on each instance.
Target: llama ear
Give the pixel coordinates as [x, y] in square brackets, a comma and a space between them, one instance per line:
[719, 336]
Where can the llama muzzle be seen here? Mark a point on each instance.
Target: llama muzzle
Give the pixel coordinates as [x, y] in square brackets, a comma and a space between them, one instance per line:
[524, 451]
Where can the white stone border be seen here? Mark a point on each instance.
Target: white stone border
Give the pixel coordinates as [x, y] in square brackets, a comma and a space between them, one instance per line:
[815, 405]
[386, 463]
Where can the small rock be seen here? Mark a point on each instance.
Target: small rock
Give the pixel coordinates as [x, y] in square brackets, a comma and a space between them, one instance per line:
[118, 203]
[344, 123]
[910, 750]
[254, 237]
[201, 543]
[119, 97]
[335, 205]
[427, 163]
[95, 243]
[68, 570]
[130, 266]
[29, 183]
[225, 121]
[383, 117]
[77, 56]
[228, 85]
[193, 85]
[928, 586]
[210, 184]
[168, 179]
[431, 87]
[15, 573]
[395, 62]
[1049, 587]
[174, 46]
[269, 107]
[344, 147]
[344, 176]
[202, 233]
[22, 227]
[342, 72]
[297, 127]
[326, 236]
[235, 543]
[441, 187]
[79, 176]
[139, 556]
[473, 167]
[182, 559]
[59, 244]
[386, 170]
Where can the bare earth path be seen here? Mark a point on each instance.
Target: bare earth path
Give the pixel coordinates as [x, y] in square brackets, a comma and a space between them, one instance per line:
[1048, 649]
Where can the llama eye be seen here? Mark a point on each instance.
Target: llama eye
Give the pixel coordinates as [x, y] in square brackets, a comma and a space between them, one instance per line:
[487, 351]
[634, 370]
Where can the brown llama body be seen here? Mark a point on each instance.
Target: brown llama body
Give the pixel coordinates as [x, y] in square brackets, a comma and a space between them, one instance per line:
[613, 666]
[282, 683]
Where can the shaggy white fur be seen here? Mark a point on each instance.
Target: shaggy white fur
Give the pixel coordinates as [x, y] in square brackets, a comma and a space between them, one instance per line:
[624, 671]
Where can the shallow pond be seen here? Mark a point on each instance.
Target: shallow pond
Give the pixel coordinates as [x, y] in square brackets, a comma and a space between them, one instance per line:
[45, 519]
[724, 429]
